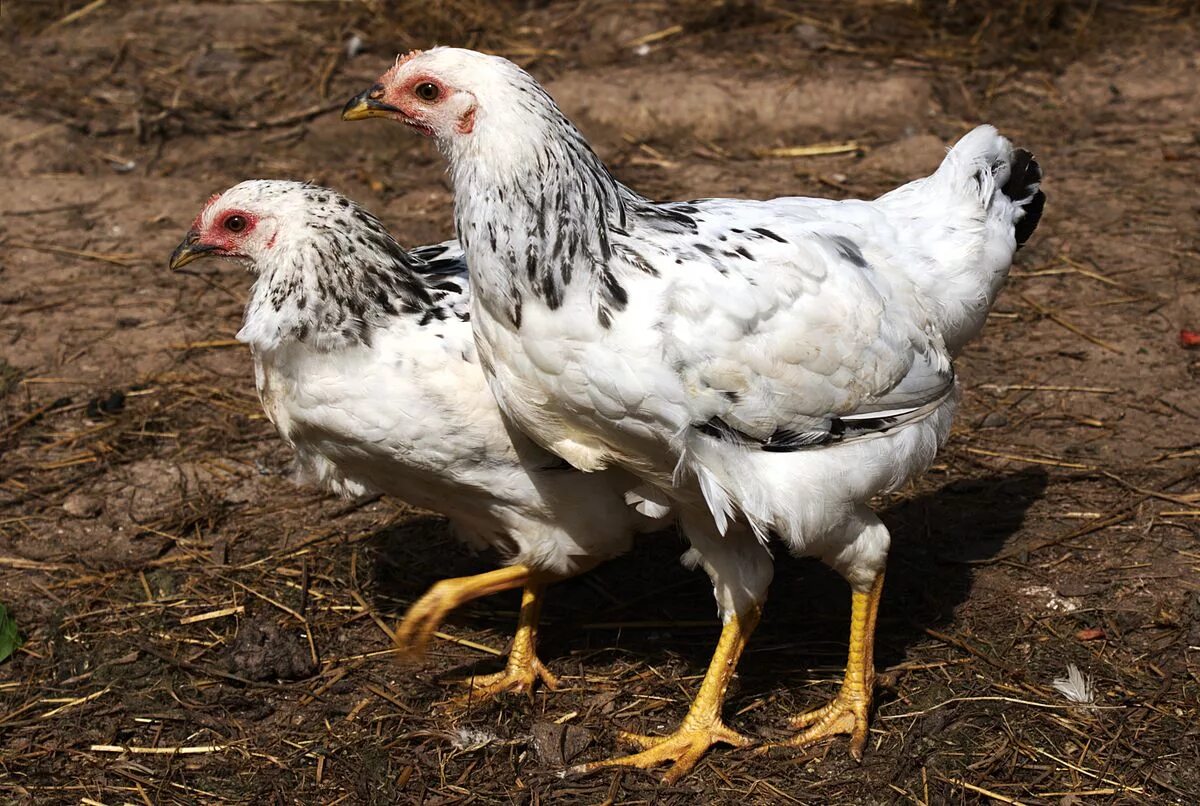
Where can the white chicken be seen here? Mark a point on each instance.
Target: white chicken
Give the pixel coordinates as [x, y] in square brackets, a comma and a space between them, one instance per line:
[365, 363]
[767, 366]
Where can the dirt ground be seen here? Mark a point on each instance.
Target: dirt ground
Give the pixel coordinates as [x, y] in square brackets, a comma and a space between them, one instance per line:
[177, 590]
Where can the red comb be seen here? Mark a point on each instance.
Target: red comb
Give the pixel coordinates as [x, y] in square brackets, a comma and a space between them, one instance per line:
[400, 62]
[211, 201]
[404, 57]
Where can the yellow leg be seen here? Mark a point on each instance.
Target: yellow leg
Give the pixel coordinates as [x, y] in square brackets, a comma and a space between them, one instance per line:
[702, 727]
[422, 619]
[848, 712]
[524, 668]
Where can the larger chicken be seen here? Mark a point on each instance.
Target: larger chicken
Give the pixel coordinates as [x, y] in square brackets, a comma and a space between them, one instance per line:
[767, 366]
[364, 361]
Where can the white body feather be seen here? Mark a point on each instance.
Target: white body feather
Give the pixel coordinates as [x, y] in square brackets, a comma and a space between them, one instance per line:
[409, 417]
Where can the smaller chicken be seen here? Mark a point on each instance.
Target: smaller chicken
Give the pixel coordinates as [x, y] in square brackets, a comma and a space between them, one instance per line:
[365, 362]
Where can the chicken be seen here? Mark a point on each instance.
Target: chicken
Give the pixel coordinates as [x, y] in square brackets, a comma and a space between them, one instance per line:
[766, 366]
[365, 363]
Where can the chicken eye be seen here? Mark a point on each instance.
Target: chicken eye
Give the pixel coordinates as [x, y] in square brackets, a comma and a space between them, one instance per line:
[235, 223]
[427, 91]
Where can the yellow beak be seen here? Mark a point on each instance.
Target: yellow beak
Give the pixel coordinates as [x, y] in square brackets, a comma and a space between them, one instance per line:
[189, 249]
[368, 104]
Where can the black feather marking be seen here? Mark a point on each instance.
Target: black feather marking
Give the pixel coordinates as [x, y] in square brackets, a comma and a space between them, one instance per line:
[614, 290]
[768, 233]
[669, 217]
[357, 332]
[605, 245]
[862, 425]
[443, 266]
[781, 440]
[551, 292]
[1022, 185]
[429, 253]
[382, 300]
[539, 212]
[786, 440]
[640, 263]
[849, 250]
[1033, 214]
[719, 429]
[350, 275]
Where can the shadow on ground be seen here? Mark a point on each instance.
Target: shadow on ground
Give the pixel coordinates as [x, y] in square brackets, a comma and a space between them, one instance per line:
[646, 608]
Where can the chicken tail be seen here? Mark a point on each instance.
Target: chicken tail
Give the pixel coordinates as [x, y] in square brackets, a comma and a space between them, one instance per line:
[967, 221]
[985, 167]
[1024, 189]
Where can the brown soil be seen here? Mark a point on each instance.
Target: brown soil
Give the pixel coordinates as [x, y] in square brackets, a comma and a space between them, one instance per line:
[177, 590]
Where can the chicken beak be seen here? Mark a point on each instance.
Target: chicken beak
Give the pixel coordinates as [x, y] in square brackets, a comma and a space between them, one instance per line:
[368, 104]
[189, 249]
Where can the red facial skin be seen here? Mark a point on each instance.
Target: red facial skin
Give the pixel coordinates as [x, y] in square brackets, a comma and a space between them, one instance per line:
[466, 124]
[222, 240]
[412, 113]
[412, 108]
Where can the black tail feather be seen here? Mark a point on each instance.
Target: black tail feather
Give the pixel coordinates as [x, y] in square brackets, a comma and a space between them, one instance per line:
[1021, 185]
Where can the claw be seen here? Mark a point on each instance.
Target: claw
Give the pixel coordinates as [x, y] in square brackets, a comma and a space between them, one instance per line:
[523, 670]
[682, 749]
[850, 710]
[520, 675]
[415, 632]
[810, 717]
[845, 714]
[702, 727]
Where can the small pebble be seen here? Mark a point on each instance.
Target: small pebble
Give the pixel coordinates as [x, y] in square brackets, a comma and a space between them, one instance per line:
[994, 420]
[113, 403]
[82, 505]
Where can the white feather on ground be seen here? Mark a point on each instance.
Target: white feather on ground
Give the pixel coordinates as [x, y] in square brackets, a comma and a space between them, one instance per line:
[1076, 686]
